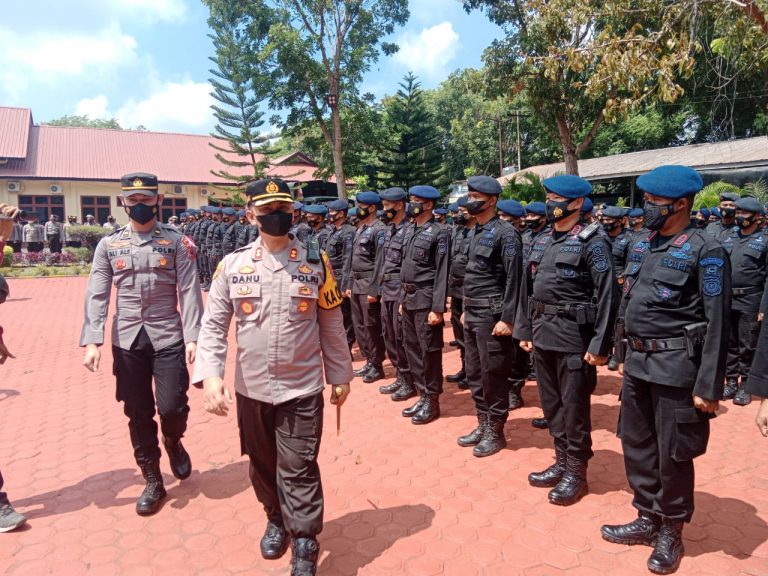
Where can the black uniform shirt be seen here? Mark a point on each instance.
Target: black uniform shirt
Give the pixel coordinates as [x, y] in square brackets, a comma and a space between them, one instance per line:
[426, 253]
[322, 234]
[368, 246]
[339, 250]
[719, 230]
[494, 268]
[301, 231]
[458, 264]
[671, 283]
[202, 232]
[749, 268]
[391, 286]
[230, 237]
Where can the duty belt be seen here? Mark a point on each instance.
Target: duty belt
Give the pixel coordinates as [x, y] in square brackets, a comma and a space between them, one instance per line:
[410, 288]
[582, 313]
[361, 275]
[656, 344]
[747, 290]
[488, 302]
[394, 276]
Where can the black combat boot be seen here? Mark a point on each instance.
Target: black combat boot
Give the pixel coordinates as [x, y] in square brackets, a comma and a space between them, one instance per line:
[429, 411]
[181, 465]
[274, 543]
[731, 386]
[540, 423]
[493, 439]
[151, 499]
[550, 477]
[642, 530]
[406, 391]
[458, 377]
[453, 343]
[474, 437]
[742, 397]
[362, 371]
[304, 552]
[411, 411]
[375, 374]
[669, 548]
[515, 395]
[573, 485]
[613, 364]
[392, 388]
[462, 385]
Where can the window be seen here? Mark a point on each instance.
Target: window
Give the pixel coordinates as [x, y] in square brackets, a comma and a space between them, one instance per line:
[43, 206]
[98, 206]
[172, 207]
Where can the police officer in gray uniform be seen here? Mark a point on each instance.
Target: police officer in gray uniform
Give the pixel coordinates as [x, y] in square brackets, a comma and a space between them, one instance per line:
[289, 333]
[339, 250]
[153, 269]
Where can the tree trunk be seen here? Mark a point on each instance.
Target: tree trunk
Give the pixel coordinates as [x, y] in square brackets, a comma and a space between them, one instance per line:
[338, 162]
[569, 148]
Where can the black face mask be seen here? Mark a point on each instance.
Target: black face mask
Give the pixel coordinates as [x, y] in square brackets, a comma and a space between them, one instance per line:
[460, 219]
[475, 207]
[314, 222]
[610, 226]
[727, 212]
[363, 213]
[142, 213]
[413, 209]
[557, 211]
[635, 222]
[389, 215]
[275, 224]
[744, 221]
[656, 214]
[701, 223]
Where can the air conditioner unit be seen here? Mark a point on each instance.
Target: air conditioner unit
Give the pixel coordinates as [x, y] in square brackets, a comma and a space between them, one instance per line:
[178, 189]
[204, 192]
[14, 186]
[55, 189]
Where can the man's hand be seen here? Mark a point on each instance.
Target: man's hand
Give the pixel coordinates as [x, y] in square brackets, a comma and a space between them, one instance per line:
[339, 399]
[621, 369]
[593, 360]
[526, 345]
[216, 396]
[191, 351]
[708, 406]
[347, 293]
[762, 417]
[435, 319]
[461, 319]
[760, 316]
[92, 357]
[372, 299]
[502, 329]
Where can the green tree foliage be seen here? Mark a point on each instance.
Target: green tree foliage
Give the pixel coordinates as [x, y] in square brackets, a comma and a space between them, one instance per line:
[85, 122]
[709, 196]
[414, 154]
[526, 187]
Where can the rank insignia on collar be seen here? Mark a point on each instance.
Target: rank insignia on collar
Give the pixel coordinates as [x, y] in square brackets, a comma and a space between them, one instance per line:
[246, 307]
[120, 264]
[294, 254]
[157, 232]
[163, 242]
[218, 271]
[303, 306]
[244, 290]
[304, 269]
[246, 270]
[258, 253]
[575, 230]
[680, 240]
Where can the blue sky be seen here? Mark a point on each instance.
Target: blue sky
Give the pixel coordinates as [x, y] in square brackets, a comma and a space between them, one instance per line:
[145, 62]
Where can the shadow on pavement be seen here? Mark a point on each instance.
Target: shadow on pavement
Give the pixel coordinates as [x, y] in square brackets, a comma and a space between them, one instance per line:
[731, 526]
[358, 538]
[5, 394]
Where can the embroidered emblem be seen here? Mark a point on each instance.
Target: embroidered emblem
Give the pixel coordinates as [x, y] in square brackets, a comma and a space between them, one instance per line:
[137, 183]
[190, 246]
[557, 212]
[680, 240]
[599, 260]
[272, 187]
[303, 306]
[712, 285]
[120, 264]
[575, 230]
[305, 291]
[304, 269]
[665, 293]
[247, 307]
[641, 247]
[244, 290]
[163, 242]
[257, 253]
[712, 262]
[121, 244]
[163, 261]
[246, 270]
[294, 254]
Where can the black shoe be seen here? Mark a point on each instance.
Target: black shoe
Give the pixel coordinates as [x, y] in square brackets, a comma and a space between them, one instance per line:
[181, 465]
[573, 485]
[453, 343]
[731, 386]
[463, 385]
[375, 374]
[531, 375]
[493, 439]
[458, 377]
[474, 437]
[742, 397]
[613, 364]
[274, 543]
[669, 548]
[151, 499]
[362, 371]
[304, 552]
[392, 388]
[642, 530]
[429, 411]
[540, 423]
[405, 392]
[515, 398]
[550, 477]
[411, 411]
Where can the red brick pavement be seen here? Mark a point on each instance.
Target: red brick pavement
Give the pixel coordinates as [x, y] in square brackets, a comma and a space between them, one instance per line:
[400, 499]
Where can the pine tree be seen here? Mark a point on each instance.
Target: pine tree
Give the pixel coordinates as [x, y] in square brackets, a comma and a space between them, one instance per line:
[414, 154]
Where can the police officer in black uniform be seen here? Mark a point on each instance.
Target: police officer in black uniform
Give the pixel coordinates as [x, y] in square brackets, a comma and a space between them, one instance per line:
[612, 219]
[757, 382]
[199, 239]
[747, 246]
[314, 216]
[513, 212]
[229, 242]
[566, 317]
[299, 228]
[247, 233]
[491, 289]
[364, 288]
[339, 250]
[424, 276]
[723, 226]
[675, 307]
[463, 223]
[214, 240]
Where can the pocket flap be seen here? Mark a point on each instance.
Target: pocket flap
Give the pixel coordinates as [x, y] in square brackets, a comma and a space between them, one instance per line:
[161, 261]
[301, 290]
[691, 415]
[245, 291]
[569, 258]
[483, 250]
[670, 276]
[121, 263]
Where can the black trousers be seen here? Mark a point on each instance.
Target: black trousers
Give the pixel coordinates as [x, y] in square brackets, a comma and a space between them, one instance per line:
[202, 267]
[566, 383]
[34, 246]
[488, 362]
[424, 349]
[3, 495]
[366, 319]
[16, 245]
[661, 433]
[392, 323]
[346, 314]
[742, 342]
[74, 244]
[54, 243]
[134, 370]
[282, 443]
[457, 309]
[520, 365]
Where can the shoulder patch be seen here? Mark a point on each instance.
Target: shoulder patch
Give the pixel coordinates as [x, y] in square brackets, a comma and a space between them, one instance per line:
[330, 296]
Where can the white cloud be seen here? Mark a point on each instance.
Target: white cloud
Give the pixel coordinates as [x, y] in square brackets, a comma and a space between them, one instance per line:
[168, 10]
[429, 52]
[172, 107]
[426, 11]
[97, 107]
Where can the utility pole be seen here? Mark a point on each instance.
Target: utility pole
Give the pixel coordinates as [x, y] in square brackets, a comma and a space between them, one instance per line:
[517, 119]
[501, 149]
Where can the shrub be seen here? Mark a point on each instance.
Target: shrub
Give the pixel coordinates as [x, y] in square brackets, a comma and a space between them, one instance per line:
[90, 235]
[80, 254]
[7, 256]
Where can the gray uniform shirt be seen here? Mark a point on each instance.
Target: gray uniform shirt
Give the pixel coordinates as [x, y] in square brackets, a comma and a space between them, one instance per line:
[34, 232]
[153, 272]
[53, 229]
[289, 326]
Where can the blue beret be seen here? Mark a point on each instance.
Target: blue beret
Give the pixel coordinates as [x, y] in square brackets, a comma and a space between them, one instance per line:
[241, 213]
[715, 212]
[453, 207]
[636, 213]
[613, 212]
[511, 207]
[315, 209]
[204, 209]
[671, 181]
[229, 211]
[440, 211]
[587, 206]
[538, 208]
[729, 196]
[352, 211]
[484, 185]
[568, 186]
[750, 204]
[424, 192]
[338, 205]
[393, 194]
[191, 212]
[462, 202]
[368, 198]
[214, 210]
[298, 205]
[704, 212]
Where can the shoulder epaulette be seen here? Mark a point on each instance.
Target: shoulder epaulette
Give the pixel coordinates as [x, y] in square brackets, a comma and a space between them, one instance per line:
[589, 231]
[241, 249]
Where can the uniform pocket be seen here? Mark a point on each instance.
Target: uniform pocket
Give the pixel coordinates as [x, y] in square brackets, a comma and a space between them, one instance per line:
[163, 267]
[246, 299]
[303, 302]
[691, 434]
[567, 264]
[668, 284]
